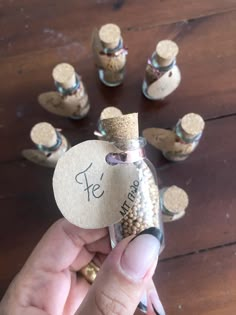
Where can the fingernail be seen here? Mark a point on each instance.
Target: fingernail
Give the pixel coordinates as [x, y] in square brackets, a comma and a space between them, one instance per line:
[140, 254]
[142, 307]
[156, 303]
[152, 231]
[143, 303]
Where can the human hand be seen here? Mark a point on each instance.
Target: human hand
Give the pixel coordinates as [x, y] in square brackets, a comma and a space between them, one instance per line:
[49, 283]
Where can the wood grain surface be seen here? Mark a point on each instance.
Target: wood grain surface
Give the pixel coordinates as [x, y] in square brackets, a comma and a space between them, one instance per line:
[196, 273]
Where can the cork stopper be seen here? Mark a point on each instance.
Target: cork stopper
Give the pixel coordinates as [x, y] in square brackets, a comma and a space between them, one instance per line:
[192, 124]
[175, 199]
[123, 127]
[44, 134]
[65, 75]
[166, 51]
[110, 112]
[109, 35]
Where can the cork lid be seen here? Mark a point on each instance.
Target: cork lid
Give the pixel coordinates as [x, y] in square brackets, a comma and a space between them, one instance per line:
[110, 112]
[65, 75]
[175, 199]
[192, 124]
[122, 127]
[166, 51]
[44, 134]
[109, 35]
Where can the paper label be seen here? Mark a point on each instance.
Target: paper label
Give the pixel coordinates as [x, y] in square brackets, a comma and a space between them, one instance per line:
[161, 139]
[66, 106]
[166, 84]
[89, 192]
[46, 159]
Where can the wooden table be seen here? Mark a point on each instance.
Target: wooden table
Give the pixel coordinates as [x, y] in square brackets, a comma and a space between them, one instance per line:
[197, 272]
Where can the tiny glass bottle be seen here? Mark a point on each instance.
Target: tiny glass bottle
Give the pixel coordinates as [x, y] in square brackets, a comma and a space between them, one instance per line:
[112, 57]
[123, 132]
[108, 112]
[50, 143]
[188, 132]
[146, 210]
[173, 202]
[162, 75]
[68, 83]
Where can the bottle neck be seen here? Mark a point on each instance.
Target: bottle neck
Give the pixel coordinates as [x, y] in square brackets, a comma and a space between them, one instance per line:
[100, 128]
[154, 63]
[68, 91]
[115, 52]
[52, 148]
[131, 151]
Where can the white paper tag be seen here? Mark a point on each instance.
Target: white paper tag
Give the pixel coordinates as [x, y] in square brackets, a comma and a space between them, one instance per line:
[89, 192]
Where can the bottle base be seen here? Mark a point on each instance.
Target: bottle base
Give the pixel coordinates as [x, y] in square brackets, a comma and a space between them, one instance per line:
[83, 115]
[144, 90]
[174, 158]
[107, 83]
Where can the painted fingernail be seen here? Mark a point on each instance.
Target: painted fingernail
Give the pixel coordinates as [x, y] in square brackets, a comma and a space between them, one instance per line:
[156, 312]
[143, 303]
[140, 255]
[152, 231]
[142, 307]
[156, 303]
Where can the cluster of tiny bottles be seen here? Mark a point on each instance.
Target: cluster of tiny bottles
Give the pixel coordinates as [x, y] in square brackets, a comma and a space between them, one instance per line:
[70, 99]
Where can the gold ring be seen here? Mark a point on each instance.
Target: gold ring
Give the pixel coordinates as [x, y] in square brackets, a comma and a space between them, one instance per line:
[90, 272]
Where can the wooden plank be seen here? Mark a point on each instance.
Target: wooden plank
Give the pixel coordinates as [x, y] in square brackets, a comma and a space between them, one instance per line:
[207, 86]
[208, 177]
[24, 21]
[199, 284]
[209, 181]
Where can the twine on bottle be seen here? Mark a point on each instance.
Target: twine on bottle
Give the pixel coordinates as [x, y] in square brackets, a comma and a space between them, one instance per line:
[159, 71]
[68, 91]
[53, 148]
[121, 51]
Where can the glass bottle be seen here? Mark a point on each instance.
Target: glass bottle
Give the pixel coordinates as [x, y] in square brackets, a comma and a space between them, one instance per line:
[107, 112]
[173, 202]
[112, 56]
[50, 143]
[188, 133]
[146, 210]
[68, 83]
[162, 75]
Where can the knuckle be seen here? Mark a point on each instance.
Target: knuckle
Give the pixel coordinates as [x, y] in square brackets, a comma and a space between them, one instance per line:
[107, 304]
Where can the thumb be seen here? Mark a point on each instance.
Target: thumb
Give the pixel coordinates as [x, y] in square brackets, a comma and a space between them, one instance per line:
[124, 276]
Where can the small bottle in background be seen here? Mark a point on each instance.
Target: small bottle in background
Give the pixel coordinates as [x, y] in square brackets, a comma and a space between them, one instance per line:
[107, 112]
[50, 143]
[173, 201]
[188, 133]
[162, 75]
[177, 144]
[109, 54]
[71, 99]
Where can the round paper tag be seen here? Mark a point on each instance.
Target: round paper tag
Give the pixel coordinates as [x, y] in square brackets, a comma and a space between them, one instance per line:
[89, 192]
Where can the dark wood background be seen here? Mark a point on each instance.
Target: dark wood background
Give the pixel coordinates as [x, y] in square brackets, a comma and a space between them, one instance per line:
[197, 272]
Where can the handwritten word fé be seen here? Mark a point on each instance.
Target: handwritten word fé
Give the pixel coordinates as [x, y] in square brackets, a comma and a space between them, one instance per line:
[92, 190]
